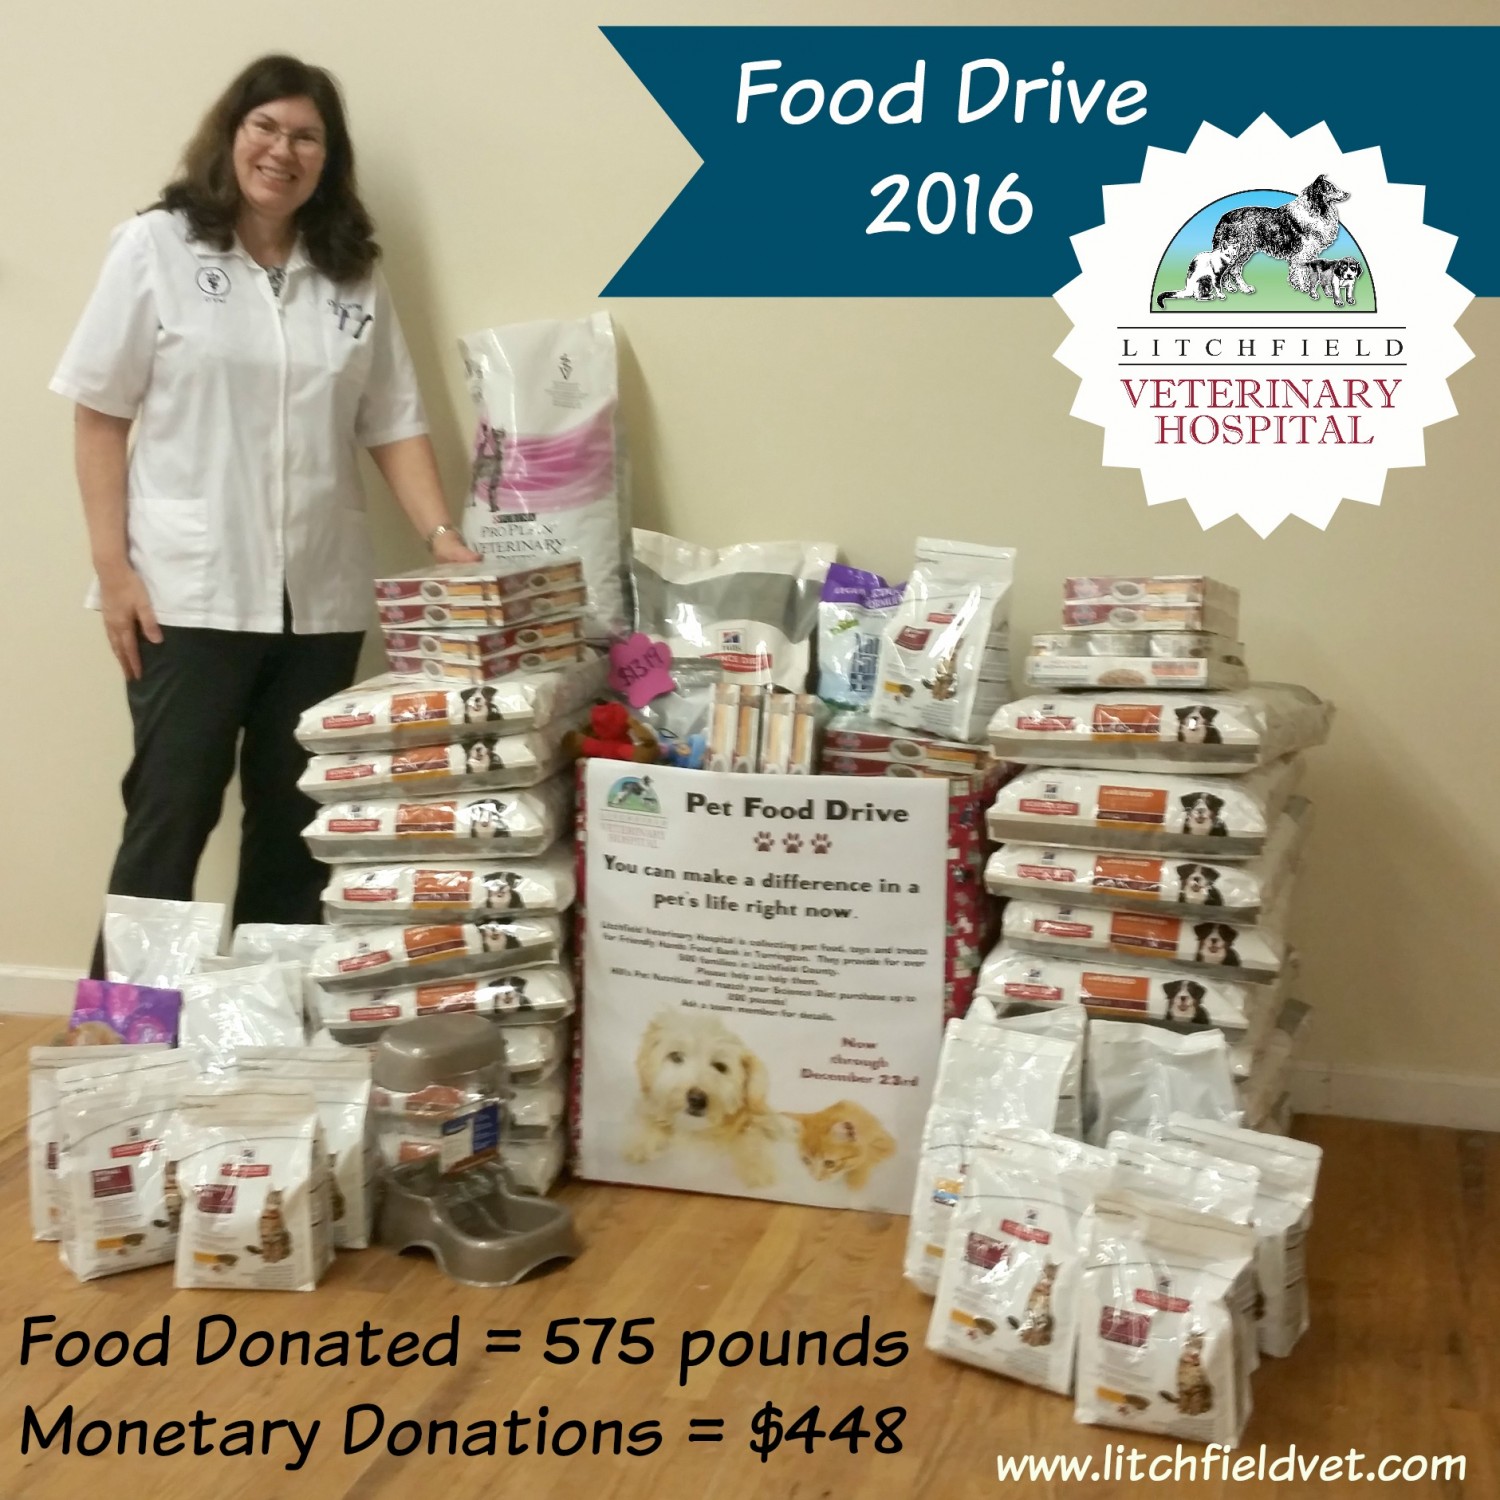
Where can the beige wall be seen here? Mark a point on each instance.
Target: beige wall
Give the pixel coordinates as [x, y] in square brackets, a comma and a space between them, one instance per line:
[512, 162]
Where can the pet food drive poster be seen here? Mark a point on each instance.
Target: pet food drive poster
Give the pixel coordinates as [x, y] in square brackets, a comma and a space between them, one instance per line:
[763, 982]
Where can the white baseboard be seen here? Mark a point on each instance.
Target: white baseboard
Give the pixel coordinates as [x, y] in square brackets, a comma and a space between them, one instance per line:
[30, 991]
[1399, 1095]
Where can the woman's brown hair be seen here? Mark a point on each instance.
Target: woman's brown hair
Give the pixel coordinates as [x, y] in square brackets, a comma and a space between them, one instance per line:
[337, 233]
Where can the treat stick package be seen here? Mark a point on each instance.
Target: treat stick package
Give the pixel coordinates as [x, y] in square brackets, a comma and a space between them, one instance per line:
[1007, 1296]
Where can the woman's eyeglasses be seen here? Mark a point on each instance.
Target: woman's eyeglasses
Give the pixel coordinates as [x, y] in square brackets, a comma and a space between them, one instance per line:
[264, 131]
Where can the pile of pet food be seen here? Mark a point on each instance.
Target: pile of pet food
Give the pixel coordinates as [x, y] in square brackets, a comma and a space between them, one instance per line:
[1144, 1269]
[446, 822]
[188, 1120]
[1149, 844]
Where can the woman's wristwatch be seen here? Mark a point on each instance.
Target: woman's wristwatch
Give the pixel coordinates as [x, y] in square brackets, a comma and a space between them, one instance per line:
[438, 531]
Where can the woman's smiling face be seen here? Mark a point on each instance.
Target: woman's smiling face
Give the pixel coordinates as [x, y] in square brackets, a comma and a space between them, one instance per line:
[279, 151]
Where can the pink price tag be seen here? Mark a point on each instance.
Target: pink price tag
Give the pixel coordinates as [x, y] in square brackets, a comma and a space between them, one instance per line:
[640, 669]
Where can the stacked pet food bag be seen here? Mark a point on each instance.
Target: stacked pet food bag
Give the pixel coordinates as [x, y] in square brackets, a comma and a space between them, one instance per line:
[916, 675]
[1107, 1205]
[185, 1078]
[446, 794]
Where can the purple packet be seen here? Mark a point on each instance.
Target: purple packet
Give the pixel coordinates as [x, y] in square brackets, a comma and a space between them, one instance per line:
[114, 1013]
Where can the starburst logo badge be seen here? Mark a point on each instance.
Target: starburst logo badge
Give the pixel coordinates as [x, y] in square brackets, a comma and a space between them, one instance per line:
[1263, 326]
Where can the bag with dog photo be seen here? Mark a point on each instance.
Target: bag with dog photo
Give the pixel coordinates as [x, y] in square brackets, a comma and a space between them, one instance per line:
[1160, 1329]
[390, 711]
[1217, 734]
[1197, 817]
[1007, 1295]
[256, 1191]
[340, 1081]
[1236, 892]
[366, 958]
[358, 1017]
[1288, 1179]
[116, 1187]
[1139, 1076]
[1188, 944]
[498, 825]
[44, 1064]
[1119, 991]
[450, 892]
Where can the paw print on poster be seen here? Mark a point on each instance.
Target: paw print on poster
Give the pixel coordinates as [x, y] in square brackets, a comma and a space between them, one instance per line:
[821, 843]
[763, 841]
[792, 843]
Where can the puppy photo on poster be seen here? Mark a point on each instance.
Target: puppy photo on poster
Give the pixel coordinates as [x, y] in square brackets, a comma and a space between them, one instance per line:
[763, 983]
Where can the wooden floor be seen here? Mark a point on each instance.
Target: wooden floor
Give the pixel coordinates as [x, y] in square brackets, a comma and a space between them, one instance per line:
[1403, 1358]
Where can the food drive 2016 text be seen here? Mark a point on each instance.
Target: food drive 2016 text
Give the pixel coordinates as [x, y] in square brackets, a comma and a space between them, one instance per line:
[835, 810]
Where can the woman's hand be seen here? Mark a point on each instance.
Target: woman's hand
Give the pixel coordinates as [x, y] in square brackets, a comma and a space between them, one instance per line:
[450, 548]
[128, 615]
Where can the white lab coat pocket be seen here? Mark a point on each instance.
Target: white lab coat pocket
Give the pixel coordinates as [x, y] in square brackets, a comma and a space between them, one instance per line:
[171, 547]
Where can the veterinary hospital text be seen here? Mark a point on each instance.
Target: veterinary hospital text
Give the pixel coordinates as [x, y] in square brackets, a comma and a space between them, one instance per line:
[1276, 411]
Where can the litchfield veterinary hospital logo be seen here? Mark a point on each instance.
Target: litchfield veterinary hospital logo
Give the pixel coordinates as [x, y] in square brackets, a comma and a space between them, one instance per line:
[1263, 326]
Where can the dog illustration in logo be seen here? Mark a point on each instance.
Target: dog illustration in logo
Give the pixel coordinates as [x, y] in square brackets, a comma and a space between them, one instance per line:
[1195, 725]
[1205, 280]
[699, 1081]
[1334, 279]
[1295, 232]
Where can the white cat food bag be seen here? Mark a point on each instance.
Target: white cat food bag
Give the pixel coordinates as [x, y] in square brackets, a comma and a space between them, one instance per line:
[479, 826]
[43, 1150]
[359, 1016]
[751, 609]
[1007, 1295]
[494, 763]
[158, 943]
[1217, 734]
[1283, 1214]
[256, 1005]
[1158, 1331]
[459, 891]
[1139, 1076]
[252, 1171]
[945, 655]
[1068, 1025]
[1119, 990]
[283, 942]
[538, 1106]
[390, 712]
[340, 1082]
[1190, 944]
[535, 1052]
[116, 1188]
[1207, 817]
[989, 1078]
[1082, 877]
[1194, 1179]
[549, 468]
[948, 1136]
[372, 958]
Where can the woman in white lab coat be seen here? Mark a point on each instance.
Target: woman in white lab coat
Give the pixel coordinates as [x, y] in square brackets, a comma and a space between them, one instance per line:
[241, 335]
